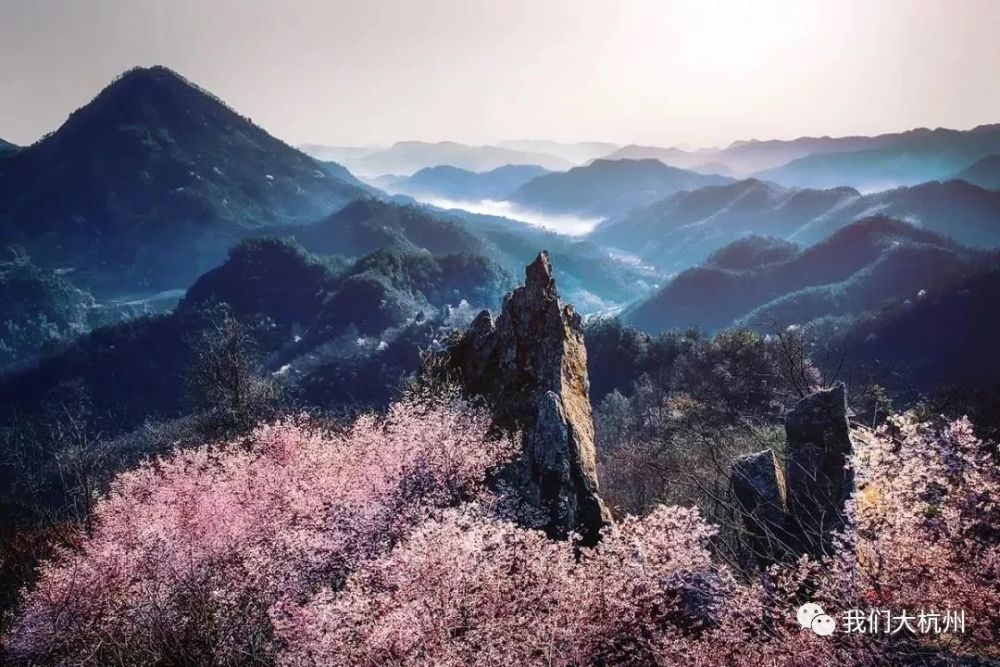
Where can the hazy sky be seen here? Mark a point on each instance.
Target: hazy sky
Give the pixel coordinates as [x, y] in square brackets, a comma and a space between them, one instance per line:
[659, 72]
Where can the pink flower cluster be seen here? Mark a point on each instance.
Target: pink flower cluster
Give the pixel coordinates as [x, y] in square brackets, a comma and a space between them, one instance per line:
[927, 523]
[380, 546]
[189, 553]
[467, 590]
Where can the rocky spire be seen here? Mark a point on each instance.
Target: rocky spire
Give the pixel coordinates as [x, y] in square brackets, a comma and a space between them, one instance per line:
[797, 510]
[531, 364]
[818, 444]
[759, 487]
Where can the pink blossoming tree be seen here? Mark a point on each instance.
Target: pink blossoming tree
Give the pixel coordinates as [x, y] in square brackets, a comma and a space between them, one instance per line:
[381, 545]
[189, 553]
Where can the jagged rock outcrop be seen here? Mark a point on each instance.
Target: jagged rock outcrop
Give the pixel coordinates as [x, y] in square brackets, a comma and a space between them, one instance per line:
[797, 511]
[818, 444]
[531, 365]
[759, 488]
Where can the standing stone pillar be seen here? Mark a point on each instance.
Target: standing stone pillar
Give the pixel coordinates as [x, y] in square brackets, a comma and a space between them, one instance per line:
[816, 456]
[531, 364]
[759, 487]
[797, 511]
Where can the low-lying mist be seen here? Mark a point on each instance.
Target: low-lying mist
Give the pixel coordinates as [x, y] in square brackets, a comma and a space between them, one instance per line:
[563, 223]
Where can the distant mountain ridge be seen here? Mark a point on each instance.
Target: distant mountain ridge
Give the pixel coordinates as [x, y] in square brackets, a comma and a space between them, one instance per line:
[591, 275]
[407, 157]
[671, 156]
[148, 186]
[341, 154]
[856, 269]
[609, 187]
[577, 152]
[686, 227]
[985, 173]
[965, 212]
[902, 158]
[743, 158]
[453, 183]
[906, 158]
[866, 162]
[153, 180]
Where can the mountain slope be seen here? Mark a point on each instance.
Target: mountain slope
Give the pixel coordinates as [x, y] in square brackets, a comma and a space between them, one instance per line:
[446, 182]
[609, 187]
[884, 160]
[751, 252]
[856, 269]
[753, 155]
[587, 274]
[900, 272]
[700, 161]
[152, 180]
[904, 159]
[367, 225]
[948, 337]
[686, 227]
[342, 173]
[965, 212]
[6, 147]
[985, 173]
[38, 308]
[301, 311]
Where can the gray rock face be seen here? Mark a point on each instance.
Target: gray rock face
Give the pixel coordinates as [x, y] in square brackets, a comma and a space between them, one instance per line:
[798, 511]
[818, 446]
[759, 487]
[531, 364]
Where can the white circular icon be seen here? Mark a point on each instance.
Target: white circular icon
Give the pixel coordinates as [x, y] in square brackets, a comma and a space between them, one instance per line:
[807, 613]
[823, 625]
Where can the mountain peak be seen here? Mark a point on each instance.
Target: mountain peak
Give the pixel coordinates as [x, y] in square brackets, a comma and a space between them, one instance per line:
[986, 127]
[364, 207]
[151, 73]
[147, 80]
[609, 187]
[538, 274]
[154, 152]
[629, 163]
[881, 229]
[156, 98]
[984, 173]
[752, 251]
[752, 184]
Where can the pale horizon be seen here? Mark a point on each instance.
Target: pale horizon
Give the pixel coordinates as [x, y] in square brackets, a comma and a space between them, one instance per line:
[686, 74]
